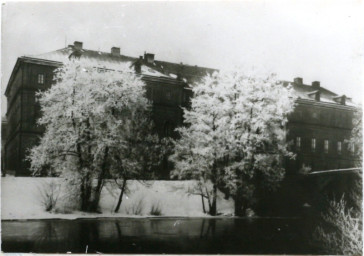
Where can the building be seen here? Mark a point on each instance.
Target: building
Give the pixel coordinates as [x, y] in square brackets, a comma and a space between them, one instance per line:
[318, 126]
[4, 124]
[165, 86]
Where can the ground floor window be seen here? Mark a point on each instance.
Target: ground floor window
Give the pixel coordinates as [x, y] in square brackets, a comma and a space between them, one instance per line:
[326, 146]
[339, 147]
[313, 144]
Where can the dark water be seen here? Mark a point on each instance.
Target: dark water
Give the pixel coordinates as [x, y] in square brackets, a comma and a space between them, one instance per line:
[159, 235]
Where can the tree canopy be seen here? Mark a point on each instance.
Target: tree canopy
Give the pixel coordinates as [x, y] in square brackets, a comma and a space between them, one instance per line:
[97, 124]
[235, 133]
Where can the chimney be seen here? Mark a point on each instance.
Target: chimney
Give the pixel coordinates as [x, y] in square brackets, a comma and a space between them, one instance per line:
[180, 72]
[316, 85]
[138, 65]
[115, 51]
[77, 45]
[298, 80]
[149, 57]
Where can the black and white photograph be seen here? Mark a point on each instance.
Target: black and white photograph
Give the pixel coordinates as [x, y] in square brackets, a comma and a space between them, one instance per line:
[182, 127]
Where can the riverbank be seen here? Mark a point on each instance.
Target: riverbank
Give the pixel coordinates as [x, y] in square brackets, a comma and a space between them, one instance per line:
[22, 199]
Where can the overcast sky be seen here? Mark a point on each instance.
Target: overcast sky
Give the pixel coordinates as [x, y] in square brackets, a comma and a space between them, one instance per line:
[318, 40]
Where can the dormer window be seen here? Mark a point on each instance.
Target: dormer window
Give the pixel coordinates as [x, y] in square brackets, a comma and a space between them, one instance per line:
[40, 78]
[340, 99]
[314, 95]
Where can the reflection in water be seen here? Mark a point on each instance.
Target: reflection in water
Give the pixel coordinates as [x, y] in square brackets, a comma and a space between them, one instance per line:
[45, 234]
[210, 230]
[159, 235]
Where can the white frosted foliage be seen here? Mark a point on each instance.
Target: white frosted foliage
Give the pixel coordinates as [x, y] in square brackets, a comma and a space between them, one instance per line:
[234, 131]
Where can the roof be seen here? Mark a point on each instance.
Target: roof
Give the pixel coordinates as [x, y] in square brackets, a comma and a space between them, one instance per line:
[304, 91]
[189, 74]
[169, 71]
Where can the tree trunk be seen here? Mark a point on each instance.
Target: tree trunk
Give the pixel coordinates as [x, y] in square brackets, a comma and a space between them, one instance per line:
[213, 211]
[100, 182]
[122, 189]
[238, 206]
[86, 193]
[203, 204]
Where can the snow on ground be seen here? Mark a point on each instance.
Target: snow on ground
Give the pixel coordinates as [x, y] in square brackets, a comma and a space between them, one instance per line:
[21, 199]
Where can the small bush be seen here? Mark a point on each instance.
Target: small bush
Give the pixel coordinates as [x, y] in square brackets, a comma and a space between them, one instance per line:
[63, 210]
[136, 208]
[342, 230]
[156, 209]
[49, 193]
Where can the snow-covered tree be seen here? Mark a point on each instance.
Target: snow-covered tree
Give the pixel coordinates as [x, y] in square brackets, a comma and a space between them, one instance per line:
[95, 123]
[201, 148]
[235, 135]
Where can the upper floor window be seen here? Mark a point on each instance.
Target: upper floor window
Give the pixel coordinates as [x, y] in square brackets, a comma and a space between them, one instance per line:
[40, 78]
[185, 97]
[326, 146]
[299, 114]
[315, 115]
[168, 129]
[313, 144]
[298, 143]
[352, 148]
[37, 113]
[339, 147]
[168, 95]
[150, 94]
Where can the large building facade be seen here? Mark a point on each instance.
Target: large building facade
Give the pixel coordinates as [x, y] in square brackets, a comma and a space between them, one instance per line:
[321, 122]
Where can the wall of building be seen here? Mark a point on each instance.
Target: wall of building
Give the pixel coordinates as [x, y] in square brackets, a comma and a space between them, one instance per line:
[167, 97]
[23, 111]
[322, 122]
[319, 120]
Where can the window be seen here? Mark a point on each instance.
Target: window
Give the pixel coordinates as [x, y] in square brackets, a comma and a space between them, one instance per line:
[352, 148]
[168, 129]
[313, 144]
[185, 97]
[326, 146]
[168, 95]
[299, 114]
[37, 113]
[151, 94]
[315, 115]
[40, 78]
[298, 143]
[339, 147]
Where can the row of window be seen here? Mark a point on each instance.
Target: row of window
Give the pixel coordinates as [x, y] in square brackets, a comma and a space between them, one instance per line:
[327, 117]
[326, 145]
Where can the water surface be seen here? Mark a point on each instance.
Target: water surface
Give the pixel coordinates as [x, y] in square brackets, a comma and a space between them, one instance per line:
[159, 235]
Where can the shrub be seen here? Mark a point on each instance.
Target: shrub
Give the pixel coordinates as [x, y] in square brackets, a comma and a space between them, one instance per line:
[156, 209]
[136, 208]
[49, 193]
[341, 232]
